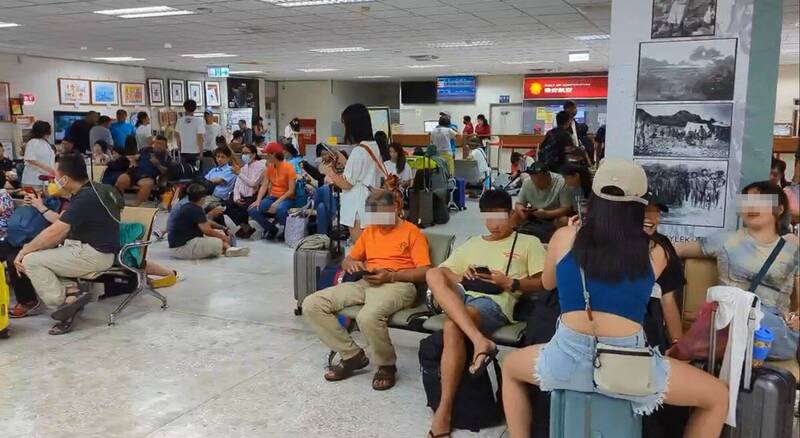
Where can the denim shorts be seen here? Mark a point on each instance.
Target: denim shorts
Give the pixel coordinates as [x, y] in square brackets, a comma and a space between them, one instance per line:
[566, 362]
[492, 317]
[784, 346]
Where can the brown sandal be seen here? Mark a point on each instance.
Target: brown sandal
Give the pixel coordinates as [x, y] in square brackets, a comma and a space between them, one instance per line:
[347, 367]
[387, 374]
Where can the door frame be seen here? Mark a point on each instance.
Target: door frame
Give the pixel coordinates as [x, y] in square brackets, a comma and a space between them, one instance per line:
[519, 104]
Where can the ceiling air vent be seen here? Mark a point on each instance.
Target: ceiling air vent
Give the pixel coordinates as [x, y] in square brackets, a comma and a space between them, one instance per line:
[424, 58]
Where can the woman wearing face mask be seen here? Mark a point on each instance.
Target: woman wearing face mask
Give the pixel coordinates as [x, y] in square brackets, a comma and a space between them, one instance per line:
[741, 254]
[40, 156]
[292, 132]
[248, 180]
[144, 136]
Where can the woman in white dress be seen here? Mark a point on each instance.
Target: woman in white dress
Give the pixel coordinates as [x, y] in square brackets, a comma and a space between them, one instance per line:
[40, 156]
[361, 171]
[144, 136]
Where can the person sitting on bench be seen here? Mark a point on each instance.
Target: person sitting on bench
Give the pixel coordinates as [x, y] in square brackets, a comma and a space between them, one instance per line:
[543, 199]
[512, 262]
[391, 256]
[88, 235]
[279, 181]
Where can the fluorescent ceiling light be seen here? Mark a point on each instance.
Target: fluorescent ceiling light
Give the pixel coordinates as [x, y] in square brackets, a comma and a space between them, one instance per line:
[427, 66]
[603, 36]
[246, 72]
[118, 58]
[316, 70]
[295, 3]
[456, 44]
[578, 56]
[373, 77]
[209, 55]
[340, 50]
[472, 73]
[526, 62]
[146, 12]
[4, 25]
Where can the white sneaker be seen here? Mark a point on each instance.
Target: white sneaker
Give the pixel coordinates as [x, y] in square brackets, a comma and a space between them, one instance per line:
[179, 276]
[237, 251]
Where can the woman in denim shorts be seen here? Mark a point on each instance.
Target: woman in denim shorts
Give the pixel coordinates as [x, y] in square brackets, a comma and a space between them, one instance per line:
[620, 266]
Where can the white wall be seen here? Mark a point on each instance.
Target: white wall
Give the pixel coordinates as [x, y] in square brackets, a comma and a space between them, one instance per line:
[413, 117]
[788, 90]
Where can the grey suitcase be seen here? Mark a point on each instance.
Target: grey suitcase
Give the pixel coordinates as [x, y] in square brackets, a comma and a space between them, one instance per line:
[308, 263]
[765, 409]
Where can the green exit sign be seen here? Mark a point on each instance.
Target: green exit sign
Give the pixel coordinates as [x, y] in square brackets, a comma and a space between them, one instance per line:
[219, 71]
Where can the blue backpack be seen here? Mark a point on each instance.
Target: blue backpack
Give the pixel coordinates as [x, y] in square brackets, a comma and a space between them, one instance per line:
[26, 223]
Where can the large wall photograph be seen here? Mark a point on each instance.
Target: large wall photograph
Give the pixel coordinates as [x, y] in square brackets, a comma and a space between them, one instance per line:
[683, 18]
[693, 130]
[687, 70]
[694, 190]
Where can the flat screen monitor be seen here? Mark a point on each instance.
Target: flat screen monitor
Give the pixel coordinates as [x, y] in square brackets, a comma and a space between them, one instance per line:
[430, 125]
[418, 92]
[62, 120]
[456, 89]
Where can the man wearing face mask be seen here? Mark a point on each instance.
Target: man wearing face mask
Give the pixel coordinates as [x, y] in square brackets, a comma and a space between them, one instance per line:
[292, 132]
[83, 240]
[389, 258]
[478, 300]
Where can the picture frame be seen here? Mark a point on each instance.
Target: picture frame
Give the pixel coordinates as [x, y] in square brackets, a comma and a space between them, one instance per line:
[5, 102]
[679, 19]
[213, 97]
[155, 91]
[194, 91]
[74, 91]
[104, 92]
[177, 92]
[15, 103]
[132, 94]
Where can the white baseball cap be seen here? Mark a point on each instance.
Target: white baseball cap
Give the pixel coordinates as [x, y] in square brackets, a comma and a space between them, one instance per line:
[623, 174]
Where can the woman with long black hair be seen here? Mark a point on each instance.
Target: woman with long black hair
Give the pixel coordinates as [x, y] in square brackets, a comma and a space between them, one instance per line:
[605, 271]
[40, 156]
[144, 136]
[396, 164]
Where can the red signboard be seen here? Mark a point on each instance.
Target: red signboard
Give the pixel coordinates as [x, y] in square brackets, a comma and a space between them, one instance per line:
[28, 98]
[566, 87]
[308, 134]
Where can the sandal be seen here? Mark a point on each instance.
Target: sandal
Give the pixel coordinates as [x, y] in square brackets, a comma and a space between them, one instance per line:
[25, 310]
[479, 365]
[441, 435]
[65, 326]
[386, 374]
[347, 367]
[67, 311]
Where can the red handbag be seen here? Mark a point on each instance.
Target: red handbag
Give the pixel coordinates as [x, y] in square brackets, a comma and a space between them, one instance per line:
[694, 344]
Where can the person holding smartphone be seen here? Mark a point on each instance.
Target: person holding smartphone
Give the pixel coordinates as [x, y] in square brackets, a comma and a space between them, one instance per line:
[544, 199]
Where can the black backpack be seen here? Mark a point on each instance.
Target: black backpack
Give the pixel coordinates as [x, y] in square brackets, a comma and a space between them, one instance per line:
[476, 405]
[549, 151]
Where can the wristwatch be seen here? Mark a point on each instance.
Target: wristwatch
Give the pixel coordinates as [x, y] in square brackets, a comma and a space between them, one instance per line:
[515, 285]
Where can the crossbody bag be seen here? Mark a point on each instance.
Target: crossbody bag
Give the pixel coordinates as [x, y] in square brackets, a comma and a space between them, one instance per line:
[485, 287]
[619, 370]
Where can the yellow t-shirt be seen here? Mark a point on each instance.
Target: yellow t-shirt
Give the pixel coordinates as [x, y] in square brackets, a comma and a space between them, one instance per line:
[527, 260]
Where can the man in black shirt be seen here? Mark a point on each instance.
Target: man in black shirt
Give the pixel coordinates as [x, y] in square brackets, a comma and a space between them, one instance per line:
[83, 240]
[193, 236]
[663, 308]
[78, 133]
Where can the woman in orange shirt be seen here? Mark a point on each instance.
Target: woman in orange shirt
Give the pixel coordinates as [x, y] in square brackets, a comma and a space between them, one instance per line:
[279, 181]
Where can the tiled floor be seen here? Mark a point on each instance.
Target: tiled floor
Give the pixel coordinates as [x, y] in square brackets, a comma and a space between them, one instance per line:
[227, 359]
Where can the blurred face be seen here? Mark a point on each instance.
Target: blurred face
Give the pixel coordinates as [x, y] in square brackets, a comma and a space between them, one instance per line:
[573, 181]
[242, 125]
[759, 211]
[222, 159]
[775, 176]
[572, 111]
[247, 155]
[92, 118]
[498, 223]
[209, 119]
[121, 117]
[652, 217]
[393, 155]
[160, 145]
[541, 180]
[384, 217]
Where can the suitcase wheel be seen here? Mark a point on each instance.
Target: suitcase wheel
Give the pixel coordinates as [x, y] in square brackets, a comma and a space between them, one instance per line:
[298, 311]
[4, 334]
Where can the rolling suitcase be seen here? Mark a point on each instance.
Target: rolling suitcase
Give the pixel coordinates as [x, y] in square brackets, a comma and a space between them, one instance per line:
[460, 194]
[4, 302]
[590, 415]
[765, 409]
[420, 210]
[307, 267]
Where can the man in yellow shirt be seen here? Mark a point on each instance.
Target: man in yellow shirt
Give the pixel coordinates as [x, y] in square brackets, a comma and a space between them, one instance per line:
[477, 287]
[391, 256]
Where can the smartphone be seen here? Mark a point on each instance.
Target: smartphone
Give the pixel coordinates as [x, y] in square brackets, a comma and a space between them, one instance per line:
[583, 208]
[483, 270]
[356, 276]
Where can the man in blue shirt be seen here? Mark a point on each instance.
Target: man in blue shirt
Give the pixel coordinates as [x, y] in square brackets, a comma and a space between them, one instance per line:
[121, 129]
[222, 177]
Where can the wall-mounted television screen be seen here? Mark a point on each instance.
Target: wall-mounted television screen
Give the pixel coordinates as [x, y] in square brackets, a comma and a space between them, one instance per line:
[62, 120]
[456, 89]
[418, 92]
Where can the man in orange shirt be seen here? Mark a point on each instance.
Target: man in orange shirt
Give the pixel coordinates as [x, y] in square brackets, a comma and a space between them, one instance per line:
[390, 257]
[279, 182]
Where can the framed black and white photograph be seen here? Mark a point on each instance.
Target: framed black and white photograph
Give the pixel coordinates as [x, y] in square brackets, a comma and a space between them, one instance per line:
[195, 91]
[694, 190]
[155, 89]
[687, 70]
[683, 18]
[687, 130]
[177, 92]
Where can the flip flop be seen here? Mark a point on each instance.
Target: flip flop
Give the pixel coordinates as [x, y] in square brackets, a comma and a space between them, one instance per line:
[66, 311]
[441, 435]
[490, 356]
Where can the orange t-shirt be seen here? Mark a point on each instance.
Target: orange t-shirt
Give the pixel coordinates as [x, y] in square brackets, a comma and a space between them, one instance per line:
[279, 177]
[404, 247]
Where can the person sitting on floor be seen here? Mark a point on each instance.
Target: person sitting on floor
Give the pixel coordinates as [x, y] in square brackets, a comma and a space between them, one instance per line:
[392, 255]
[279, 181]
[512, 262]
[89, 232]
[543, 199]
[248, 180]
[193, 236]
[222, 177]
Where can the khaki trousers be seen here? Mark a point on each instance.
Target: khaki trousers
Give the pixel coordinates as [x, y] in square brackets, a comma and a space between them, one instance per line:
[379, 302]
[71, 260]
[198, 248]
